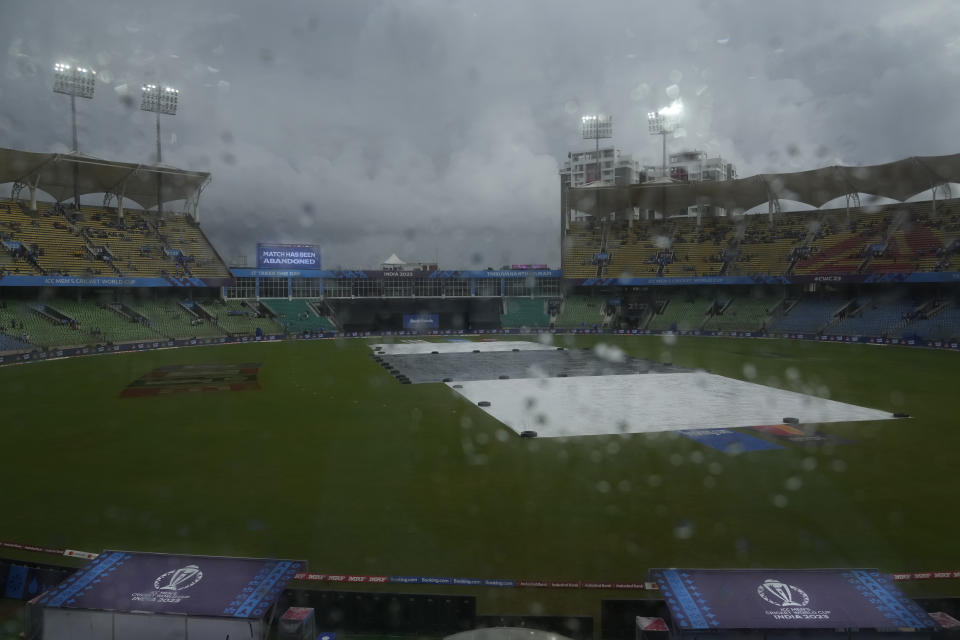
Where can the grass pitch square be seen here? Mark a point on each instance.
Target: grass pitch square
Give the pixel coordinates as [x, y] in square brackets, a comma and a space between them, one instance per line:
[180, 378]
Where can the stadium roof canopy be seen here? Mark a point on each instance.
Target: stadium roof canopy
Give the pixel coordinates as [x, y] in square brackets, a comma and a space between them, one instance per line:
[897, 180]
[54, 172]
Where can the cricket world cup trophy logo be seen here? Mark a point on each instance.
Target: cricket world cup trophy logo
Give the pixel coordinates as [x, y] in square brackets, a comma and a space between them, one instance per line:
[179, 579]
[782, 594]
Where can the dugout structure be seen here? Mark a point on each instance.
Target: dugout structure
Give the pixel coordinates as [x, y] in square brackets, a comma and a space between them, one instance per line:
[124, 595]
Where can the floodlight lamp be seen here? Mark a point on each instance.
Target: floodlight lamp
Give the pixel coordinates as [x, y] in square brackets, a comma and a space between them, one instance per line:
[596, 127]
[655, 123]
[79, 82]
[159, 101]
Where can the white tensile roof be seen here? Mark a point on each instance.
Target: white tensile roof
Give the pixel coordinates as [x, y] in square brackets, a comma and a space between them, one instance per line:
[897, 180]
[53, 173]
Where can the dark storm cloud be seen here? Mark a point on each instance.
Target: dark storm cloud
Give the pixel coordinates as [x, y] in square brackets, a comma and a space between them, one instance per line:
[438, 128]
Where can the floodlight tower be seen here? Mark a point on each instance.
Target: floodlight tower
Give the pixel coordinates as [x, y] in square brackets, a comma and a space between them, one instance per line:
[160, 100]
[594, 128]
[662, 123]
[76, 82]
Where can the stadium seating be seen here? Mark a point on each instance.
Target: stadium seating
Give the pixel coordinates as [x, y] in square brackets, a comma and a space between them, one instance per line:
[11, 344]
[238, 317]
[297, 316]
[582, 244]
[877, 318]
[180, 233]
[766, 247]
[525, 312]
[898, 238]
[580, 311]
[740, 314]
[101, 323]
[29, 322]
[173, 319]
[680, 313]
[809, 315]
[94, 241]
[943, 325]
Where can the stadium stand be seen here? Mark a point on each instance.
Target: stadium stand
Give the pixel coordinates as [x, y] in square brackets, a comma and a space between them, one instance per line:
[58, 240]
[580, 311]
[582, 244]
[765, 247]
[11, 344]
[525, 312]
[103, 323]
[297, 316]
[879, 318]
[174, 318]
[182, 235]
[680, 313]
[37, 324]
[239, 317]
[739, 314]
[807, 315]
[939, 321]
[901, 238]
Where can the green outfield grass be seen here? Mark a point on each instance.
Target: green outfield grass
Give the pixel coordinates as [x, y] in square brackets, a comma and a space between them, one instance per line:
[334, 462]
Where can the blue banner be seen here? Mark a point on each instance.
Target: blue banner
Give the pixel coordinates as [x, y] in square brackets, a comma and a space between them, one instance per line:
[110, 281]
[421, 321]
[288, 256]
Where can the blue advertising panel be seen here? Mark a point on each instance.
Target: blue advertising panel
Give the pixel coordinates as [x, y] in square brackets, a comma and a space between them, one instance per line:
[286, 256]
[787, 599]
[111, 281]
[161, 583]
[421, 321]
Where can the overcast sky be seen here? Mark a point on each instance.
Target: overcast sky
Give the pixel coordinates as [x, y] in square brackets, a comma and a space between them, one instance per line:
[436, 128]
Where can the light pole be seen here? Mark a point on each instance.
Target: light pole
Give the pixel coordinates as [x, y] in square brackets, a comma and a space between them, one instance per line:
[595, 128]
[76, 82]
[663, 122]
[159, 100]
